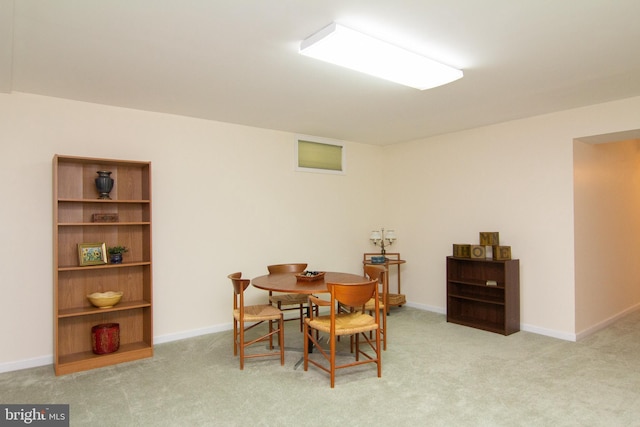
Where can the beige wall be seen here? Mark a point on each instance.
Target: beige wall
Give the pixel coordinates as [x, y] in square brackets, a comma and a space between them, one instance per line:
[515, 178]
[607, 231]
[226, 198]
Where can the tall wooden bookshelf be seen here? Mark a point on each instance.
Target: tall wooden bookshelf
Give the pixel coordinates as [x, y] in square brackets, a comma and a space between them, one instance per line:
[75, 201]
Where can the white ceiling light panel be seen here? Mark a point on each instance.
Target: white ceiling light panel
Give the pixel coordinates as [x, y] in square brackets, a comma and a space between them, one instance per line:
[348, 48]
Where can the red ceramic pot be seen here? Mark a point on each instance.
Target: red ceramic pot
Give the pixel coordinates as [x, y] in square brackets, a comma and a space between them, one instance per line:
[105, 338]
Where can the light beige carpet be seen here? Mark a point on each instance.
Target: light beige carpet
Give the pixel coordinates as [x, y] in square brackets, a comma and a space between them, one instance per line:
[434, 374]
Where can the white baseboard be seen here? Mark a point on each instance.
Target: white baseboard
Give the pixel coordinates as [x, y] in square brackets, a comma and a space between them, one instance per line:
[548, 332]
[161, 339]
[26, 363]
[595, 328]
[523, 327]
[424, 307]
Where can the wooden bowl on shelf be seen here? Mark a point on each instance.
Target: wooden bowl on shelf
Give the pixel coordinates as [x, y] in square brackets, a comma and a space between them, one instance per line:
[105, 299]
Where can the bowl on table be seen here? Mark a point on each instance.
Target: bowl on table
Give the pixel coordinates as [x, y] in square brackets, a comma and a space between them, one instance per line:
[310, 276]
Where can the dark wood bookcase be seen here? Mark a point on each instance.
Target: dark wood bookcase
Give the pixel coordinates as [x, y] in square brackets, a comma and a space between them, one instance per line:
[471, 302]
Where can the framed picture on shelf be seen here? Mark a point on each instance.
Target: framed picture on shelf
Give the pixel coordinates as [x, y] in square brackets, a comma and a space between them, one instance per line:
[92, 253]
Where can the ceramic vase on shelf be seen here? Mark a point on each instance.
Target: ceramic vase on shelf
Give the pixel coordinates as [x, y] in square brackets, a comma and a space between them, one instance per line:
[105, 338]
[104, 184]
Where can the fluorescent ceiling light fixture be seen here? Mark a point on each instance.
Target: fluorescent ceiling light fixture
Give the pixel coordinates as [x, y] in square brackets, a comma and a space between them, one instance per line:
[351, 49]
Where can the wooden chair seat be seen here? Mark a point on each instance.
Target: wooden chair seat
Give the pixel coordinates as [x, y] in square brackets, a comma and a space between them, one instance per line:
[289, 299]
[371, 305]
[346, 323]
[258, 313]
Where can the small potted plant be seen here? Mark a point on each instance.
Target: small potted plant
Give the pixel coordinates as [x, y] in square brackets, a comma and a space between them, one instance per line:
[116, 252]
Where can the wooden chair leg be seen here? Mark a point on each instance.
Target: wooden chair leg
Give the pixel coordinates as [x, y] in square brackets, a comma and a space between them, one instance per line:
[306, 347]
[270, 335]
[378, 362]
[383, 331]
[281, 339]
[332, 362]
[235, 337]
[241, 327]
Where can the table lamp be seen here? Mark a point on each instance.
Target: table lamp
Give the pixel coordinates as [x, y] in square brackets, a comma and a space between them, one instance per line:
[380, 237]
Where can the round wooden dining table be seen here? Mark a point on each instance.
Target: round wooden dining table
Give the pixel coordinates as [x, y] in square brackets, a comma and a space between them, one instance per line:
[289, 283]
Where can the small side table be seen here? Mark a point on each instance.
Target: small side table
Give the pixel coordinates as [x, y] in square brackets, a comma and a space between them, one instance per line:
[398, 299]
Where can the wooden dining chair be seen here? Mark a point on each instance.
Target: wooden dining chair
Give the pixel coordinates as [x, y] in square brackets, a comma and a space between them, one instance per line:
[358, 323]
[379, 273]
[287, 302]
[248, 317]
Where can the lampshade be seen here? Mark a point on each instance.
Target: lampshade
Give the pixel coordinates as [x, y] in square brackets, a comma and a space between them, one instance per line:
[348, 48]
[375, 235]
[390, 235]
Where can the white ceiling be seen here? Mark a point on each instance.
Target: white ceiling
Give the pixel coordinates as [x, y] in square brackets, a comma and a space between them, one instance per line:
[237, 61]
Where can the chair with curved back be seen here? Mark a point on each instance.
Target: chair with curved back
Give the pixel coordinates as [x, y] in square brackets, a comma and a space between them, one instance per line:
[287, 302]
[253, 315]
[356, 323]
[379, 273]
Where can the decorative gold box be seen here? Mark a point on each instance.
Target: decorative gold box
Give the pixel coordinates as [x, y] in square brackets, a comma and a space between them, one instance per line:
[489, 238]
[461, 250]
[478, 251]
[501, 253]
